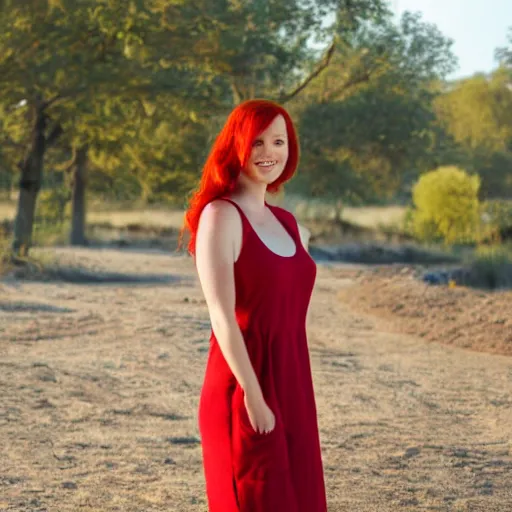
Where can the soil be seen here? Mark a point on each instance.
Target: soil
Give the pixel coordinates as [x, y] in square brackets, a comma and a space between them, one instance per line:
[460, 316]
[100, 385]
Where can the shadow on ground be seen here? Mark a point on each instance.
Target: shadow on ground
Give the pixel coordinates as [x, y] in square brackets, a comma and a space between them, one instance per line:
[79, 275]
[31, 307]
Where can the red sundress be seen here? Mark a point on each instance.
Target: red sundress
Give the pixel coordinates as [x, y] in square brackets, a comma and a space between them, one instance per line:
[246, 471]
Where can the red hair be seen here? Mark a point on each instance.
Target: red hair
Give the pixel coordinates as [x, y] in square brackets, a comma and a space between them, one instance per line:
[229, 155]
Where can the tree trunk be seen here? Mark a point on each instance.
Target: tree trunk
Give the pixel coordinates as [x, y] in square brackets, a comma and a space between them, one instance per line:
[31, 179]
[29, 185]
[338, 211]
[78, 199]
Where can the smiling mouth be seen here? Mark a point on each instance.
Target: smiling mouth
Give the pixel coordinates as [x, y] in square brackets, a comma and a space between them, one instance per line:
[266, 164]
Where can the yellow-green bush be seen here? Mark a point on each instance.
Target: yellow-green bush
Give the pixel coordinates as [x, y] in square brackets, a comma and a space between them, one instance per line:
[446, 207]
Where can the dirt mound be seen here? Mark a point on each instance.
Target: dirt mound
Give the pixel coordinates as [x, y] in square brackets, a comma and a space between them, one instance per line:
[459, 316]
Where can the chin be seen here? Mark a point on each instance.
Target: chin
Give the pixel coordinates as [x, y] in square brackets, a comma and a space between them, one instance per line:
[267, 178]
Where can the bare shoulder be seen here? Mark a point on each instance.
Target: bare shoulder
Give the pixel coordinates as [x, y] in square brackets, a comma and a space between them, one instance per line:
[220, 212]
[220, 228]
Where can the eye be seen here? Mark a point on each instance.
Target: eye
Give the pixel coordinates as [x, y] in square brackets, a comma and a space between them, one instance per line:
[279, 142]
[257, 142]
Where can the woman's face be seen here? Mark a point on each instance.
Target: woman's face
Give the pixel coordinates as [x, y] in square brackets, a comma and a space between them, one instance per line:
[269, 153]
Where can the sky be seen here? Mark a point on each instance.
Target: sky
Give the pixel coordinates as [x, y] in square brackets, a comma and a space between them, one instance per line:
[477, 28]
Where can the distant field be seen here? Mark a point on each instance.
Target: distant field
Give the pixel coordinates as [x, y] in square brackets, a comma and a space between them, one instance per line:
[367, 216]
[373, 216]
[118, 218]
[7, 210]
[370, 216]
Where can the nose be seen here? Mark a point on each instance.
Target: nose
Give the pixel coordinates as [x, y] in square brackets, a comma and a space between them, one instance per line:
[266, 149]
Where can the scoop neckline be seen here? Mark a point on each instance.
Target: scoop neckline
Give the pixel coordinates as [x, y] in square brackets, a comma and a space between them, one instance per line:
[258, 236]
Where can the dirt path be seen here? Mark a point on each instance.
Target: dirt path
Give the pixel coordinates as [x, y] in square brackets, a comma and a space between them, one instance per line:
[99, 387]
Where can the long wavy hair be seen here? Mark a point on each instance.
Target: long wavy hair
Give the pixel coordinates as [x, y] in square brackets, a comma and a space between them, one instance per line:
[229, 155]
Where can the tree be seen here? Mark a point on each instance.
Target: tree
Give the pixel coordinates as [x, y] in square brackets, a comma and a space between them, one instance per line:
[477, 113]
[51, 53]
[244, 50]
[58, 61]
[374, 103]
[142, 84]
[159, 147]
[262, 48]
[504, 54]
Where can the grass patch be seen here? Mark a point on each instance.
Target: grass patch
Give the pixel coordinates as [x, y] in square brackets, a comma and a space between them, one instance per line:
[490, 267]
[5, 253]
[36, 266]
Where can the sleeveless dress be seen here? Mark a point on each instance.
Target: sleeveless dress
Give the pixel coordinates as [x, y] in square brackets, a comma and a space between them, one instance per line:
[246, 471]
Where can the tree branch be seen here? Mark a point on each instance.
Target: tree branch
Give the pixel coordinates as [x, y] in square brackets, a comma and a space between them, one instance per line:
[321, 66]
[354, 80]
[237, 95]
[69, 93]
[54, 134]
[68, 165]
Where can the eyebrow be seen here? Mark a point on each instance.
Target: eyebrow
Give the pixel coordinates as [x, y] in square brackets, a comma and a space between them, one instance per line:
[275, 136]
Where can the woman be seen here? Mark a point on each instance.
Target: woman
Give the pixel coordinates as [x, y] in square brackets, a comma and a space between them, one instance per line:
[257, 413]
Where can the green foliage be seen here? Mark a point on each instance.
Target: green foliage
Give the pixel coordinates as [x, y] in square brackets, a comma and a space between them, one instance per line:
[368, 140]
[369, 118]
[476, 114]
[52, 219]
[446, 205]
[52, 208]
[504, 54]
[262, 48]
[496, 216]
[499, 212]
[479, 112]
[146, 84]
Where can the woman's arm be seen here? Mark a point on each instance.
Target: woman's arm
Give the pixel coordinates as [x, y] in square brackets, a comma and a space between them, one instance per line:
[305, 235]
[218, 237]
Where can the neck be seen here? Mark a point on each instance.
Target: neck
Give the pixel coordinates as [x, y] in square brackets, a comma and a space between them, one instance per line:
[251, 193]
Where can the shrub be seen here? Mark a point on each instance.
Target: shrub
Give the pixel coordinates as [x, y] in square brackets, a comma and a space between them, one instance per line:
[52, 216]
[446, 207]
[491, 267]
[51, 206]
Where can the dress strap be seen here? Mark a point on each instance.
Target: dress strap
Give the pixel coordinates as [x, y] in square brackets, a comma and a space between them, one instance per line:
[285, 218]
[246, 225]
[245, 220]
[289, 222]
[233, 203]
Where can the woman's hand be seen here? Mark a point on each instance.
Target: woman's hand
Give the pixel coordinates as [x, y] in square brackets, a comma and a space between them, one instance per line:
[261, 417]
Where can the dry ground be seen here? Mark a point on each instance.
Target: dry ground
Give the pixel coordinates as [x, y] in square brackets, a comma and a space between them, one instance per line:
[461, 316]
[99, 387]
